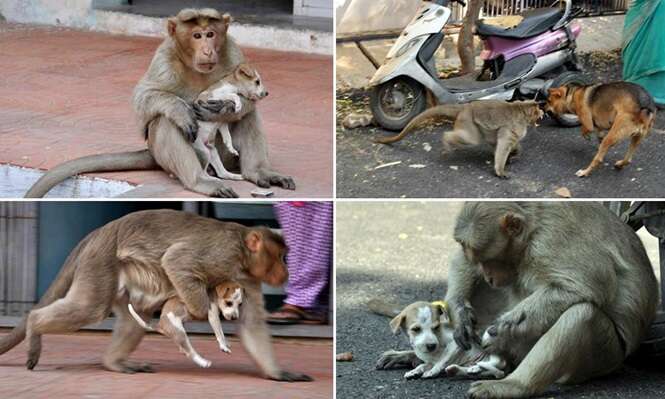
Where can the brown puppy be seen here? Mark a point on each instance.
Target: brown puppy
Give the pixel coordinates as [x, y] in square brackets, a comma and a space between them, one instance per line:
[626, 109]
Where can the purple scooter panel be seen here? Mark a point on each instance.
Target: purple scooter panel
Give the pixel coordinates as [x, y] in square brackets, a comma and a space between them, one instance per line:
[538, 45]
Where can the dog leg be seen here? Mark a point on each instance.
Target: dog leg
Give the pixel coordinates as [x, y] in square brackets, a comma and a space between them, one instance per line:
[216, 324]
[634, 142]
[616, 132]
[176, 331]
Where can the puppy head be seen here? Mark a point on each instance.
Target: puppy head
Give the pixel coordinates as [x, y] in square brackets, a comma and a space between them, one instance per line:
[556, 100]
[423, 323]
[229, 299]
[249, 82]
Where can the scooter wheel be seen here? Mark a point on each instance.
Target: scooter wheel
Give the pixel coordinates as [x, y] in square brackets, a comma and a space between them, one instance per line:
[568, 120]
[396, 102]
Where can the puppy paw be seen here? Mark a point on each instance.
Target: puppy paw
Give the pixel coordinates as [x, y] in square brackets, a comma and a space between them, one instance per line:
[620, 164]
[582, 173]
[201, 362]
[431, 373]
[453, 370]
[225, 348]
[413, 374]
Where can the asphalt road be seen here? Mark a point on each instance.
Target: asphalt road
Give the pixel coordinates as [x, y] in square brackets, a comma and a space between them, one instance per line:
[551, 156]
[399, 251]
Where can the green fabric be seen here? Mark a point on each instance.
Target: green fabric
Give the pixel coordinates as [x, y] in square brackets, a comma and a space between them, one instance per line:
[644, 46]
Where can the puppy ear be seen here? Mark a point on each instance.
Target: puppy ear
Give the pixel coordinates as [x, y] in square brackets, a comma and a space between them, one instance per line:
[246, 71]
[442, 311]
[396, 324]
[512, 224]
[254, 241]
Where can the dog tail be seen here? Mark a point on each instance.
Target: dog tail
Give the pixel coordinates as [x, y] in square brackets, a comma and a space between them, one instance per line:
[139, 319]
[383, 308]
[446, 112]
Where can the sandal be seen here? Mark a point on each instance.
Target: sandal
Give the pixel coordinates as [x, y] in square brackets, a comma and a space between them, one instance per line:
[291, 314]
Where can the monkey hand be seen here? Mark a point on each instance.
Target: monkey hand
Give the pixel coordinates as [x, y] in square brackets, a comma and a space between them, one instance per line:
[464, 330]
[287, 376]
[185, 119]
[211, 109]
[508, 327]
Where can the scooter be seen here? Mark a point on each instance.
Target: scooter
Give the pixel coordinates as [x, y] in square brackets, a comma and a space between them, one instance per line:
[520, 62]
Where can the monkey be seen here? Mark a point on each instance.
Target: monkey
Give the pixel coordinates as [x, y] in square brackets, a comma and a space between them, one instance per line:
[145, 258]
[499, 123]
[578, 289]
[245, 81]
[196, 53]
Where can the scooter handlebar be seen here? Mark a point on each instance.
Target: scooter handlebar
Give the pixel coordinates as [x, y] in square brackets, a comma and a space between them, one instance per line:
[445, 2]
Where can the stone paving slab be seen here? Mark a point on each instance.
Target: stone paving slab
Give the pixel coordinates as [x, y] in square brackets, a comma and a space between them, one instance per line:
[70, 367]
[66, 93]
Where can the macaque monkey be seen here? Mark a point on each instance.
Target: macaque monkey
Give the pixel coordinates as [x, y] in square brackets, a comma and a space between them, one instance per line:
[145, 258]
[580, 290]
[196, 54]
[499, 123]
[226, 297]
[245, 82]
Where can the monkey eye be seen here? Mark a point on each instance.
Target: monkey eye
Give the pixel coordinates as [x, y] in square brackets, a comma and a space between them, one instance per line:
[210, 34]
[229, 303]
[258, 82]
[197, 35]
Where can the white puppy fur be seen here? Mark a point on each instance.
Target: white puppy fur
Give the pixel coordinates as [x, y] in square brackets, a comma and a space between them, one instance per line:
[227, 297]
[430, 332]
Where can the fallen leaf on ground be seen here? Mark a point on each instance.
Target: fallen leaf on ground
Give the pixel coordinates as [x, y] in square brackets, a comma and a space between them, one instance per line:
[427, 147]
[417, 166]
[454, 167]
[345, 357]
[563, 192]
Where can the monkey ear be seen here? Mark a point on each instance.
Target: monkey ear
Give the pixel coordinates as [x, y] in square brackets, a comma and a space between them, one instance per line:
[396, 324]
[171, 25]
[227, 18]
[512, 224]
[254, 241]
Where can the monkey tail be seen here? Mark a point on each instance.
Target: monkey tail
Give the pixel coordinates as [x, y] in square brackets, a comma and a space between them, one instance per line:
[132, 160]
[138, 318]
[56, 291]
[383, 308]
[446, 112]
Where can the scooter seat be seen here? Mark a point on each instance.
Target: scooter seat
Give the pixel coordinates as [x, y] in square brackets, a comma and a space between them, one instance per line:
[535, 22]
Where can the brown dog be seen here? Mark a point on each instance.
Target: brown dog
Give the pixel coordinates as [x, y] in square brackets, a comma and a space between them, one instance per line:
[626, 109]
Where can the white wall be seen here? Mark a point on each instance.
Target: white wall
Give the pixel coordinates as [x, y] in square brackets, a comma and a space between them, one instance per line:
[354, 16]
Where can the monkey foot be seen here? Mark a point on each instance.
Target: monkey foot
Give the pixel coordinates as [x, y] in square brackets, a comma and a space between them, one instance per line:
[287, 376]
[32, 362]
[496, 389]
[127, 367]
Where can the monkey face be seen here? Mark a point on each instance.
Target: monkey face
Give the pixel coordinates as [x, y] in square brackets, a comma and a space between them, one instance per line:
[229, 301]
[199, 35]
[267, 257]
[498, 274]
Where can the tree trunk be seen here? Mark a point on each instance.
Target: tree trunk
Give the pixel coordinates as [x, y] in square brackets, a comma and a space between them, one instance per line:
[465, 40]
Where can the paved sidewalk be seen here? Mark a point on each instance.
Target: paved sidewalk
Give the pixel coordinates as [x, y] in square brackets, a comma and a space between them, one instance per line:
[66, 93]
[70, 367]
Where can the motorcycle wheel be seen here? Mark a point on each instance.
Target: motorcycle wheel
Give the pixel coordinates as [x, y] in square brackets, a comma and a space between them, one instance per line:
[396, 102]
[568, 120]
